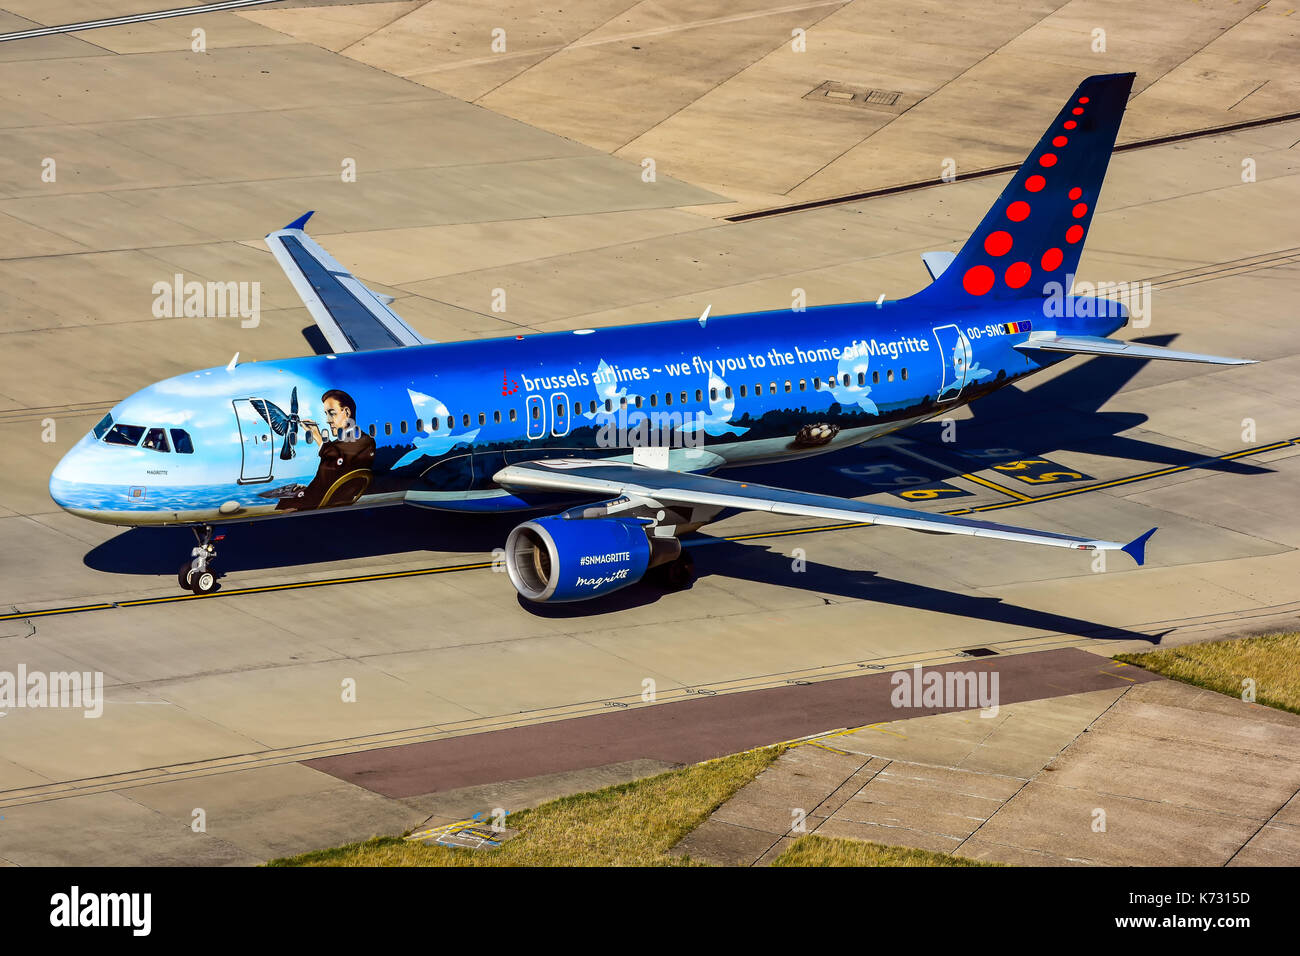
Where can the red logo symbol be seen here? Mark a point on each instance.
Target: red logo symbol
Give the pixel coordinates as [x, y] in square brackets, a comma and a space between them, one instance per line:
[508, 387]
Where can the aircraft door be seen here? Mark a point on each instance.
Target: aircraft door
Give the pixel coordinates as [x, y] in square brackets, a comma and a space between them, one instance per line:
[256, 443]
[560, 423]
[535, 409]
[955, 354]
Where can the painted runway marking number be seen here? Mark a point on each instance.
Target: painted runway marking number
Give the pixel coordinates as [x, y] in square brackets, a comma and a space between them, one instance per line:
[1039, 471]
[903, 482]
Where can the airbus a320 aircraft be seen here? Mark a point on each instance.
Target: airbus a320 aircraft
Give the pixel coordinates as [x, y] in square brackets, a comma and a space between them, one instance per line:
[634, 420]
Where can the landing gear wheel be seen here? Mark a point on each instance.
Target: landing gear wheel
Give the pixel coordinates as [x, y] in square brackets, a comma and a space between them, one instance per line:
[678, 575]
[196, 574]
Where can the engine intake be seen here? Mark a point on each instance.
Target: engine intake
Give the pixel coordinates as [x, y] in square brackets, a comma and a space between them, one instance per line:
[573, 559]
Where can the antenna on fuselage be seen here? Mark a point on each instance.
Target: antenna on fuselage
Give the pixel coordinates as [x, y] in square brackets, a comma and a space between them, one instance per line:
[704, 316]
[233, 362]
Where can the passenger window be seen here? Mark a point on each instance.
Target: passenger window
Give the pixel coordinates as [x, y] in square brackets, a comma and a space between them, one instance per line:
[638, 401]
[803, 385]
[592, 407]
[622, 402]
[372, 431]
[742, 391]
[451, 422]
[771, 388]
[512, 414]
[654, 400]
[434, 423]
[684, 398]
[713, 394]
[668, 398]
[482, 418]
[787, 386]
[862, 378]
[875, 378]
[496, 417]
[156, 440]
[464, 421]
[847, 380]
[889, 375]
[727, 392]
[388, 428]
[904, 375]
[817, 384]
[124, 435]
[758, 388]
[699, 394]
[181, 442]
[104, 425]
[577, 409]
[537, 412]
[419, 424]
[402, 427]
[609, 404]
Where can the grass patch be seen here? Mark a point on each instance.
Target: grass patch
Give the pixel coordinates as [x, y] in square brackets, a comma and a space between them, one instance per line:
[814, 850]
[631, 824]
[1272, 661]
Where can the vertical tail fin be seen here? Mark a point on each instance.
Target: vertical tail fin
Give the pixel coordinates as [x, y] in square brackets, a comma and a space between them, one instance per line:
[1034, 233]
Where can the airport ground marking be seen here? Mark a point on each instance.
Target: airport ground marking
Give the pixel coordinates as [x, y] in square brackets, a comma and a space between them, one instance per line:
[132, 18]
[480, 565]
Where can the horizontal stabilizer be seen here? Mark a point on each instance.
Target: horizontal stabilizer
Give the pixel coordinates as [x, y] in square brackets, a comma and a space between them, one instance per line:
[1096, 345]
[937, 262]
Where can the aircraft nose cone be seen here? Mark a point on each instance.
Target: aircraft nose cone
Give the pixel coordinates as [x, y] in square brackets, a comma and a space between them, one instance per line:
[61, 479]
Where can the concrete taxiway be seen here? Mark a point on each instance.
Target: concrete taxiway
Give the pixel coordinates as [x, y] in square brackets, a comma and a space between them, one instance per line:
[524, 173]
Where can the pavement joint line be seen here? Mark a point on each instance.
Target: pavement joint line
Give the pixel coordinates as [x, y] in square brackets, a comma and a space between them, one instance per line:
[480, 565]
[999, 170]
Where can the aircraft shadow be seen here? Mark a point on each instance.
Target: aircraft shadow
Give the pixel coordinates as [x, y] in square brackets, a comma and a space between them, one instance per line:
[307, 539]
[1061, 415]
[744, 561]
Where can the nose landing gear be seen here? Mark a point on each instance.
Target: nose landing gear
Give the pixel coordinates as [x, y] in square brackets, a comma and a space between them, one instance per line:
[196, 574]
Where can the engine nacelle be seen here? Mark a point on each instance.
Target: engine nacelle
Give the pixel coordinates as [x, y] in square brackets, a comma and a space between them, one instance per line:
[573, 559]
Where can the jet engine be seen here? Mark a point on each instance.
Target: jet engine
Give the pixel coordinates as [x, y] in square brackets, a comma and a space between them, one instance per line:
[563, 558]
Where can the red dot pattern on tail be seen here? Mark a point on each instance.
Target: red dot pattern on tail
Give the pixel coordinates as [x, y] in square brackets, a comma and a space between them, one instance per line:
[977, 280]
[998, 243]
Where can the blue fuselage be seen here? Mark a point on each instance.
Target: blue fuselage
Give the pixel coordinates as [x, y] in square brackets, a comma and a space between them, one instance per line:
[434, 423]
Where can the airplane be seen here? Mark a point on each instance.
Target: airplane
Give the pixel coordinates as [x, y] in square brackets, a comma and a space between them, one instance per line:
[622, 428]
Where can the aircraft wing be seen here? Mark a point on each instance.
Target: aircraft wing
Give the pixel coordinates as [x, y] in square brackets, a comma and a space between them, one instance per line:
[597, 478]
[351, 317]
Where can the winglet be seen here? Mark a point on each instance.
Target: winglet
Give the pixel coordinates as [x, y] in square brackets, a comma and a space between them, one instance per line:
[1137, 548]
[301, 220]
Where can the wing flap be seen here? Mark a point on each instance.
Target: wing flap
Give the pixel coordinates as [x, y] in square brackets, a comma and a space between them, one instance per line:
[610, 478]
[352, 317]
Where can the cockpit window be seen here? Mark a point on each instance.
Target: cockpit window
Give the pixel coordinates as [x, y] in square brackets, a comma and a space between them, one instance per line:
[181, 442]
[155, 439]
[124, 435]
[104, 425]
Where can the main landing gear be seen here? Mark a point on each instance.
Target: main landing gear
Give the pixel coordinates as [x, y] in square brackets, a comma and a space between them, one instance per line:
[196, 574]
[676, 575]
